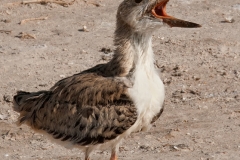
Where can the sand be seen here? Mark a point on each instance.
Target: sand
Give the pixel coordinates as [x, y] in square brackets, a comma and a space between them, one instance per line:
[43, 43]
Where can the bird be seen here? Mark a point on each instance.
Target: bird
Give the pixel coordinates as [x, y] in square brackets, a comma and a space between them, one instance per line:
[100, 106]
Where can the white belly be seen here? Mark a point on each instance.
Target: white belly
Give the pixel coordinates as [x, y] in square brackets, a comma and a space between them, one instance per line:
[148, 96]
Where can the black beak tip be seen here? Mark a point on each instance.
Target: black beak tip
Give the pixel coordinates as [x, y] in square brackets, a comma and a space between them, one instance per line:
[192, 25]
[197, 25]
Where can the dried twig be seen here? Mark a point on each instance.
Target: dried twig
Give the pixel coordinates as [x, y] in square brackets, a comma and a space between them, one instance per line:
[14, 3]
[32, 19]
[23, 35]
[5, 31]
[59, 2]
[93, 3]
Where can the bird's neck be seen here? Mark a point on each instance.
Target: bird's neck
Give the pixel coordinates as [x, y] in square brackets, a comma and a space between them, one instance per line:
[133, 49]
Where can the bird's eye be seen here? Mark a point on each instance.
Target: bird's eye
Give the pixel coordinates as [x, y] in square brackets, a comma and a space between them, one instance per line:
[138, 1]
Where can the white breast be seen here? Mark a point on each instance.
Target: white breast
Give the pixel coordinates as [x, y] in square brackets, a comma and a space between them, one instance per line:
[148, 96]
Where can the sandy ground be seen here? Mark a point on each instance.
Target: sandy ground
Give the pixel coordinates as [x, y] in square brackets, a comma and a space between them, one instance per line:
[200, 69]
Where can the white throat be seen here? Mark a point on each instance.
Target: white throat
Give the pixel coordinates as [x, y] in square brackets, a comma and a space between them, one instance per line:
[143, 53]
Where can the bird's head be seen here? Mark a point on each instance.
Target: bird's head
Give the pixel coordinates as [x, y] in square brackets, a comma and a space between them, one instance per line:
[147, 15]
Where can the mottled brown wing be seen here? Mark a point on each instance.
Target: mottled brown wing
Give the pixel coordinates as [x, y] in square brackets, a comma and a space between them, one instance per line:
[84, 109]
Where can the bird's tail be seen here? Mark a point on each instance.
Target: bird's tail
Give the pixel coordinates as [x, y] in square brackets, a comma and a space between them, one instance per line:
[26, 103]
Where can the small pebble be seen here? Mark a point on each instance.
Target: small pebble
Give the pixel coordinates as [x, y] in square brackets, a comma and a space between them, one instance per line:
[7, 98]
[203, 107]
[229, 19]
[70, 63]
[3, 117]
[167, 80]
[106, 57]
[106, 50]
[42, 85]
[84, 29]
[176, 74]
[6, 20]
[196, 78]
[83, 52]
[62, 76]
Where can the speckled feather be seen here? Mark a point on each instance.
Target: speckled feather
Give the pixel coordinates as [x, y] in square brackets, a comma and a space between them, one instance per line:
[86, 108]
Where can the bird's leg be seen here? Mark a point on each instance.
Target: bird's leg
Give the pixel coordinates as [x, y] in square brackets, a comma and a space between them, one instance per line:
[87, 154]
[87, 157]
[114, 153]
[113, 156]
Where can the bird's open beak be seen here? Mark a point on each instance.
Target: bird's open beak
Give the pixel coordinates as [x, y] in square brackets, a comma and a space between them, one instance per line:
[159, 11]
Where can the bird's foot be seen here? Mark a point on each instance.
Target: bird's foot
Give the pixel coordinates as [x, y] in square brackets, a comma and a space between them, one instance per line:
[113, 156]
